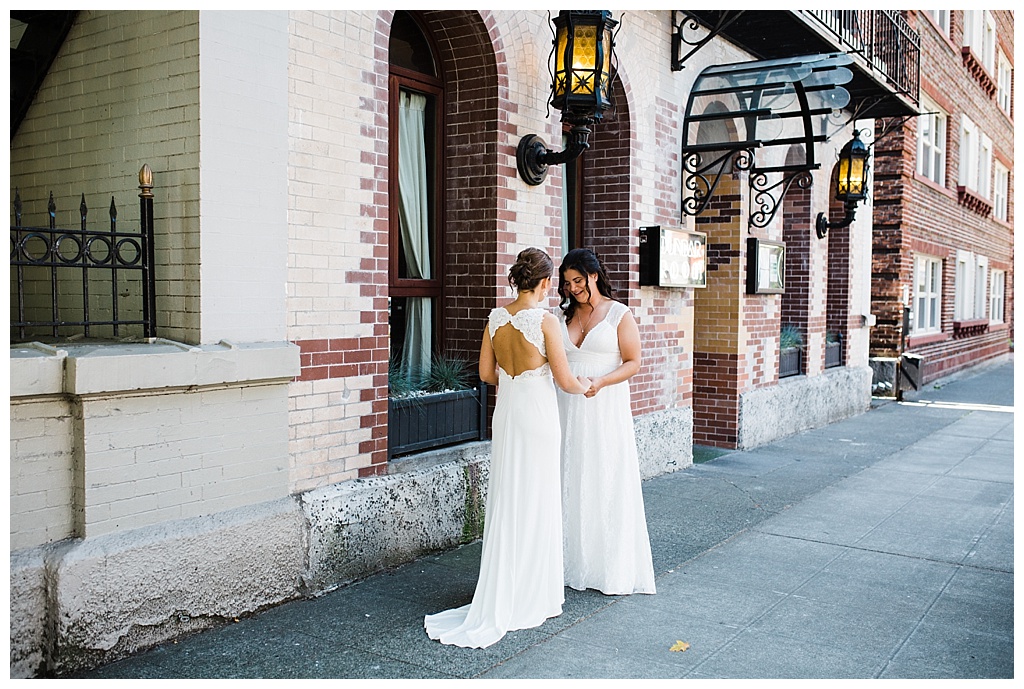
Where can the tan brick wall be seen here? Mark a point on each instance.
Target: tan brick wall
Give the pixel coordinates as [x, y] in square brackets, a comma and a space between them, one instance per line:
[156, 458]
[42, 472]
[123, 91]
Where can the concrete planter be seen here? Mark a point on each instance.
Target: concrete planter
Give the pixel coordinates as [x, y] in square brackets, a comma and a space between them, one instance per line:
[436, 420]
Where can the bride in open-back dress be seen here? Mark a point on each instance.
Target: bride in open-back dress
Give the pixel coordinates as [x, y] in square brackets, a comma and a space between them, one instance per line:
[520, 583]
[605, 528]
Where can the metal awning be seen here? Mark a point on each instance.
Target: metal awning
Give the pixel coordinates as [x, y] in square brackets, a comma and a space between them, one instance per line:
[765, 117]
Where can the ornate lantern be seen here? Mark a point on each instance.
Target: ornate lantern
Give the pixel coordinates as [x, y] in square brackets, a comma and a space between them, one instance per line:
[851, 187]
[580, 88]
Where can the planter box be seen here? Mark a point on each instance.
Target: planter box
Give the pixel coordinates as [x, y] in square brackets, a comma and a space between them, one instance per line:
[790, 362]
[833, 354]
[436, 420]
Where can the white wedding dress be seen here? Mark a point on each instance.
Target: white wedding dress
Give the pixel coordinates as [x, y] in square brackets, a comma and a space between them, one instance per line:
[520, 583]
[605, 529]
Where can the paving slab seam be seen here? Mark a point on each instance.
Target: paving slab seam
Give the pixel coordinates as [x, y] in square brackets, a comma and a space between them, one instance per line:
[786, 597]
[986, 531]
[920, 621]
[550, 636]
[920, 558]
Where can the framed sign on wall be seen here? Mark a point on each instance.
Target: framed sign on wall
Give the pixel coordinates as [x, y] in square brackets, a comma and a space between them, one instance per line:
[673, 258]
[766, 266]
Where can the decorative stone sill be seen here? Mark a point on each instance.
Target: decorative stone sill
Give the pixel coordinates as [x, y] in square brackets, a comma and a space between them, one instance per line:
[970, 200]
[926, 339]
[84, 369]
[969, 328]
[978, 71]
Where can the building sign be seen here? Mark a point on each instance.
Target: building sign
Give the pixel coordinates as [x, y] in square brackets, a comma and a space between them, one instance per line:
[766, 266]
[672, 258]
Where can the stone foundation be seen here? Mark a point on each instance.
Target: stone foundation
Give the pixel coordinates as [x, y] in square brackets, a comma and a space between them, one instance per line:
[802, 402]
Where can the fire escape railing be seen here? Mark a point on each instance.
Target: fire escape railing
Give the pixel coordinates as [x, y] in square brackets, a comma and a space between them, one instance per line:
[884, 39]
[83, 282]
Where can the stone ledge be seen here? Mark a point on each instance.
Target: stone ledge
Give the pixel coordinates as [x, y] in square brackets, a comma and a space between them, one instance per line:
[156, 364]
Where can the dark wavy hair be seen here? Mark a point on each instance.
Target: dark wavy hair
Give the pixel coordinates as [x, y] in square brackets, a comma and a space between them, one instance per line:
[532, 265]
[585, 262]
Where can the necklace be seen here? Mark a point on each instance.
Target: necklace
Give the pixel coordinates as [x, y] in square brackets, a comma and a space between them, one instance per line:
[584, 327]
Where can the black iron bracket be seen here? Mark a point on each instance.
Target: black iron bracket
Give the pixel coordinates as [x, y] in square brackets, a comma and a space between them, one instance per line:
[763, 204]
[684, 24]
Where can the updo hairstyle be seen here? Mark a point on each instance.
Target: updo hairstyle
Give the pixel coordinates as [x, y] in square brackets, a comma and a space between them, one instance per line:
[532, 265]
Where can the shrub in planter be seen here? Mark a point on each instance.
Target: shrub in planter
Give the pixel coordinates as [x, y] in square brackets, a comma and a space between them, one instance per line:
[436, 408]
[790, 342]
[790, 337]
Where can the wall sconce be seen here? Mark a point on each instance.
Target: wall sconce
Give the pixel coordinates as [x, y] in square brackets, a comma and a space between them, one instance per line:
[850, 188]
[583, 49]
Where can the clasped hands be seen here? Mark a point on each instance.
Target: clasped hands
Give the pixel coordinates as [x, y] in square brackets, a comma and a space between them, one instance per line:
[593, 385]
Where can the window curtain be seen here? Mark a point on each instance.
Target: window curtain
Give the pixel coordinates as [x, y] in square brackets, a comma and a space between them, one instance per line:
[414, 225]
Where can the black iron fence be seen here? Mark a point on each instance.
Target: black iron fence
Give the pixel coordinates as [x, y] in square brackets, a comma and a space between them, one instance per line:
[883, 38]
[83, 282]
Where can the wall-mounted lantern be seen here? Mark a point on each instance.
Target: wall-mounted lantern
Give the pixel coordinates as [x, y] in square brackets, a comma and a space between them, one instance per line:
[583, 51]
[851, 187]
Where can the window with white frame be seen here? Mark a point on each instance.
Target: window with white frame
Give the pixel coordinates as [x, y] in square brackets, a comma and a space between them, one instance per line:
[980, 36]
[975, 158]
[927, 294]
[1004, 82]
[1000, 191]
[980, 279]
[968, 173]
[941, 18]
[931, 142]
[971, 276]
[983, 184]
[996, 299]
[963, 286]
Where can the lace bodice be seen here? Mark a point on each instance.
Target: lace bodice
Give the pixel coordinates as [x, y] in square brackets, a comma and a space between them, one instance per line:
[528, 322]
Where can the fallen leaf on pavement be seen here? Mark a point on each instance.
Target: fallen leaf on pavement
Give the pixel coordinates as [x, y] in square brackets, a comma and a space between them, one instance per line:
[679, 646]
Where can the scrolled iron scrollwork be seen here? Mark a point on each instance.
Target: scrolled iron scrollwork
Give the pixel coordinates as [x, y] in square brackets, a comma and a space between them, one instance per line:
[763, 205]
[702, 179]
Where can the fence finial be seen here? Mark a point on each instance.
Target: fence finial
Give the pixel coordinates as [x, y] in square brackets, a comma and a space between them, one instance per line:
[146, 181]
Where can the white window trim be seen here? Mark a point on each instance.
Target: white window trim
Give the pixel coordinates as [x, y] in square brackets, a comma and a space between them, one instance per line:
[1004, 82]
[927, 296]
[980, 280]
[963, 286]
[968, 172]
[984, 181]
[931, 142]
[1000, 191]
[997, 296]
[980, 36]
[941, 18]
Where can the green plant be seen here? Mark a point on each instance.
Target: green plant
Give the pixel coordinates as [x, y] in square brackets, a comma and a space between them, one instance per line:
[402, 382]
[832, 337]
[448, 373]
[790, 337]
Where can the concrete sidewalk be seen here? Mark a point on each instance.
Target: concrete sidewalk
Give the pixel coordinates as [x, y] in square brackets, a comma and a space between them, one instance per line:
[879, 546]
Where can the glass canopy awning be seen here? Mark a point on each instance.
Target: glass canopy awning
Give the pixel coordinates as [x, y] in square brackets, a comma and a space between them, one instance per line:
[765, 117]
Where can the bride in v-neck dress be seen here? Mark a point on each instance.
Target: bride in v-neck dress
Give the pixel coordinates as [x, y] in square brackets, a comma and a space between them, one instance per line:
[605, 528]
[520, 583]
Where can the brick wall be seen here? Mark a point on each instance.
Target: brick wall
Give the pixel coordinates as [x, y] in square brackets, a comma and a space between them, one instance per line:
[913, 214]
[156, 458]
[123, 91]
[717, 374]
[42, 484]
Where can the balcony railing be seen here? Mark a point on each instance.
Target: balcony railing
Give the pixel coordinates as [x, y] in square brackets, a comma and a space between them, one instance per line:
[883, 38]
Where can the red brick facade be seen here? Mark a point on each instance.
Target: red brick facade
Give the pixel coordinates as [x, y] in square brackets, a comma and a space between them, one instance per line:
[913, 214]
